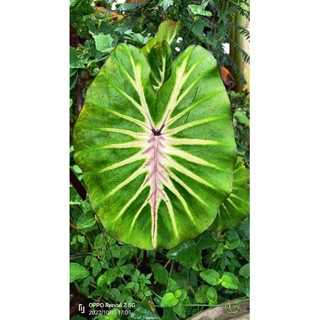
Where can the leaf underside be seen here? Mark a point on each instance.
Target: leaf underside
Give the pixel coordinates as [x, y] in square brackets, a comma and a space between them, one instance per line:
[156, 145]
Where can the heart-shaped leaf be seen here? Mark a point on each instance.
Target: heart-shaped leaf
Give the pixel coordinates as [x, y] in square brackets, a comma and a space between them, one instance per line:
[169, 300]
[157, 165]
[210, 276]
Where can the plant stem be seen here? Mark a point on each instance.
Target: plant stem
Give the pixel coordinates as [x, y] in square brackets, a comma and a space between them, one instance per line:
[78, 185]
[144, 267]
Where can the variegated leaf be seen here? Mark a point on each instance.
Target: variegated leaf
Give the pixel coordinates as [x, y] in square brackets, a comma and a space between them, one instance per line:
[157, 165]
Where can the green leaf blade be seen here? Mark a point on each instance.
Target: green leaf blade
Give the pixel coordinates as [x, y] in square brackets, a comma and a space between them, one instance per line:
[168, 152]
[103, 42]
[77, 272]
[236, 207]
[169, 300]
[210, 276]
[229, 281]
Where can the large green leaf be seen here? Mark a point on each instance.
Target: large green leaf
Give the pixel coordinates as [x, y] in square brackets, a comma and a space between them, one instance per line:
[157, 165]
[236, 207]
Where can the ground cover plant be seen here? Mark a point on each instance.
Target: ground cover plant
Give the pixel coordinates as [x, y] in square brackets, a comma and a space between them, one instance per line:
[210, 267]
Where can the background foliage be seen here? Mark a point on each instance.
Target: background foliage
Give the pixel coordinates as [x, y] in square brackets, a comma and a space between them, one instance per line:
[199, 273]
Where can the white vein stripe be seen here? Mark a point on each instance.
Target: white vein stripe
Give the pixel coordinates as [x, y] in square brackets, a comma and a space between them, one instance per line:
[125, 145]
[125, 162]
[195, 142]
[131, 119]
[134, 197]
[232, 203]
[135, 103]
[236, 197]
[189, 157]
[187, 188]
[224, 206]
[172, 216]
[194, 82]
[139, 87]
[189, 174]
[125, 182]
[192, 124]
[126, 132]
[181, 78]
[171, 187]
[137, 215]
[182, 113]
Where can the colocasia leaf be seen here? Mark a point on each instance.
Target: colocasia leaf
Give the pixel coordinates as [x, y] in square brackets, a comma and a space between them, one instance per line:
[157, 164]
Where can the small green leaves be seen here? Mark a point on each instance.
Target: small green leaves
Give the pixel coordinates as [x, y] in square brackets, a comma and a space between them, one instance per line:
[86, 221]
[108, 277]
[210, 276]
[197, 10]
[185, 253]
[142, 311]
[169, 300]
[212, 296]
[201, 294]
[229, 281]
[245, 270]
[95, 265]
[242, 118]
[103, 42]
[77, 272]
[161, 275]
[165, 4]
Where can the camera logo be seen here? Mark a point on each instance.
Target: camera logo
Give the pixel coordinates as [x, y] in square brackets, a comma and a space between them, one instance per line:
[81, 308]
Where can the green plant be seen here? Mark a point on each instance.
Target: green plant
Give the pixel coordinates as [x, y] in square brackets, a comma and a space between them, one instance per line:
[240, 104]
[200, 273]
[101, 267]
[169, 145]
